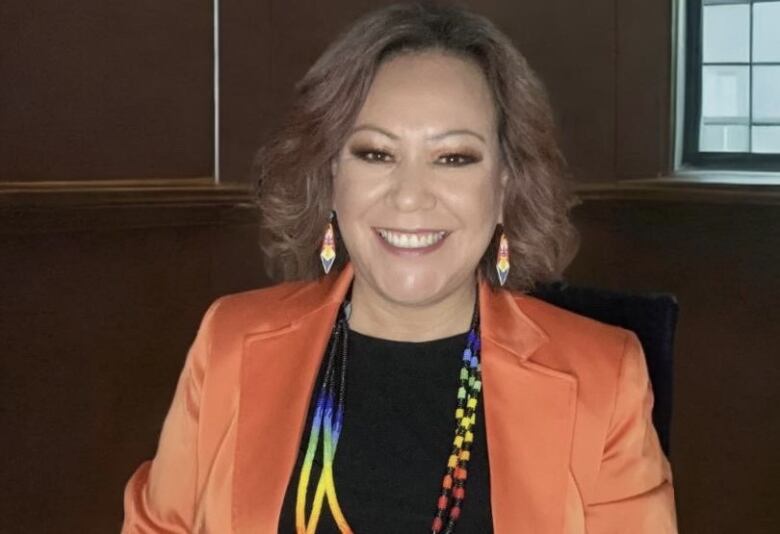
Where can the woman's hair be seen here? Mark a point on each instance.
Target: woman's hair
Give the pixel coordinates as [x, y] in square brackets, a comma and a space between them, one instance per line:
[293, 172]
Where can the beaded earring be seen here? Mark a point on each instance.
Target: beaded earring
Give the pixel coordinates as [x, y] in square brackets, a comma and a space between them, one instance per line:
[328, 250]
[502, 260]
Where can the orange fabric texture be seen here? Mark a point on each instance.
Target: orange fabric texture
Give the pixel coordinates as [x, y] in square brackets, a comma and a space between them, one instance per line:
[567, 403]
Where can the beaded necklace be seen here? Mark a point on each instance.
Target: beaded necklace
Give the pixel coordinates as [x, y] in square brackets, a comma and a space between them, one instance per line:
[328, 420]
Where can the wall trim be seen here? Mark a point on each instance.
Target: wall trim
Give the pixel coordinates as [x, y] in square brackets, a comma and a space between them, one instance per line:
[101, 205]
[95, 193]
[677, 189]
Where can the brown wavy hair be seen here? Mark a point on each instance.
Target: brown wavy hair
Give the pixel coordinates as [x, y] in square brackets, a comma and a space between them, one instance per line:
[293, 172]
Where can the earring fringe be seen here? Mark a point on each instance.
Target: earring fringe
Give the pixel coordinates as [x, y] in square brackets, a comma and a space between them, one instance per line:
[502, 261]
[328, 251]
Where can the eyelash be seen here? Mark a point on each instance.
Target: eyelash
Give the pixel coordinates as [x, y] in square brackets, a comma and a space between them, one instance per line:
[372, 156]
[460, 159]
[453, 159]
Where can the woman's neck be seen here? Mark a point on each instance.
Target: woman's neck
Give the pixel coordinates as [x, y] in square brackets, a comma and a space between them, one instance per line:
[375, 315]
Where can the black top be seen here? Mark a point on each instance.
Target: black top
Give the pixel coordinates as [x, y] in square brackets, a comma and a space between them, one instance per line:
[399, 423]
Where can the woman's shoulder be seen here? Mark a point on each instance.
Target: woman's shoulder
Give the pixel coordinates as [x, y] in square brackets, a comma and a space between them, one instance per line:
[249, 299]
[246, 310]
[576, 342]
[607, 361]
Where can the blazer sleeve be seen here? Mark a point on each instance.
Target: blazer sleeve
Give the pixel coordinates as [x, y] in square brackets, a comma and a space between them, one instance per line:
[633, 492]
[161, 495]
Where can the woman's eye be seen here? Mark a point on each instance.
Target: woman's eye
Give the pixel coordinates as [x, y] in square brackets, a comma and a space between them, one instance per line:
[373, 156]
[457, 160]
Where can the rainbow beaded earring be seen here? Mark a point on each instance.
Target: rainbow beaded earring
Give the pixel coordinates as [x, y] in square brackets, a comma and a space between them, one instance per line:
[502, 260]
[328, 250]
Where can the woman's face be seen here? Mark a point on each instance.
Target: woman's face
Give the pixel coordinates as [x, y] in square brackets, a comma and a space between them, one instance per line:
[418, 184]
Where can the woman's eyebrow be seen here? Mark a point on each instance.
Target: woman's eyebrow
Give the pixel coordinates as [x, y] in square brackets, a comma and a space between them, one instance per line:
[435, 137]
[464, 131]
[373, 128]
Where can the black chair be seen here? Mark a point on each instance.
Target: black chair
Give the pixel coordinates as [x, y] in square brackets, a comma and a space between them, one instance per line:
[652, 317]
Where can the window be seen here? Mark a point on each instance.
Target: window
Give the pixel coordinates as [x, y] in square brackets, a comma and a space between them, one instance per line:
[732, 85]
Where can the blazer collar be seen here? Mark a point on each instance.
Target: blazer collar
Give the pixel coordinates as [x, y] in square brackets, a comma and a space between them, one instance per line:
[502, 320]
[529, 409]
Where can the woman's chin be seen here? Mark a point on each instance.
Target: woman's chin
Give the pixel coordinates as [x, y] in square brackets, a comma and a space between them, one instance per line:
[413, 287]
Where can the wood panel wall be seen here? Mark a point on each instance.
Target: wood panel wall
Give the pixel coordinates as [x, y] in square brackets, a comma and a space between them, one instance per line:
[95, 325]
[101, 292]
[721, 261]
[605, 65]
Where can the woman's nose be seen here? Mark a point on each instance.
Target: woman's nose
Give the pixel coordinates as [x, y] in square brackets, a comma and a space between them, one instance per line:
[411, 188]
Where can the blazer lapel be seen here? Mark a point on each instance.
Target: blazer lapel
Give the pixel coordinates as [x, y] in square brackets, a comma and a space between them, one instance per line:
[278, 370]
[529, 416]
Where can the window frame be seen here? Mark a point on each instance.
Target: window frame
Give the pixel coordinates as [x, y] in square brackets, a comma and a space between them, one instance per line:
[689, 92]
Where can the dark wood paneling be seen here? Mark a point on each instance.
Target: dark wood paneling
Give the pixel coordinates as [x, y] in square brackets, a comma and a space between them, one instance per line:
[571, 46]
[723, 263]
[97, 90]
[95, 326]
[268, 46]
[118, 204]
[643, 42]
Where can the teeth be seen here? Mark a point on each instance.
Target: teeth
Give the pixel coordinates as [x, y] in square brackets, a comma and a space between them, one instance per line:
[404, 240]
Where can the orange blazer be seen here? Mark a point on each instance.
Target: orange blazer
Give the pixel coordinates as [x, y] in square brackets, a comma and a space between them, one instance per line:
[567, 403]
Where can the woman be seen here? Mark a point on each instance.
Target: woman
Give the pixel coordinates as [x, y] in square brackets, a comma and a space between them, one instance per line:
[418, 166]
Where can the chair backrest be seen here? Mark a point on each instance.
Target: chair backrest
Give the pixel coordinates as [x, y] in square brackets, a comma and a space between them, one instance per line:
[652, 317]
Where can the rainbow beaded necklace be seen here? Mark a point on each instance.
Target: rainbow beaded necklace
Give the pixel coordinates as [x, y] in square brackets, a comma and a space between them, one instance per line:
[328, 420]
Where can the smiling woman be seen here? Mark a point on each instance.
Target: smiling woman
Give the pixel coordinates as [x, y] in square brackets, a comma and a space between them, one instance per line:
[417, 190]
[499, 101]
[421, 152]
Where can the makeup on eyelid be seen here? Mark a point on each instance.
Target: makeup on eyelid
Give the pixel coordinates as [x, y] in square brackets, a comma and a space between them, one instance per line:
[378, 155]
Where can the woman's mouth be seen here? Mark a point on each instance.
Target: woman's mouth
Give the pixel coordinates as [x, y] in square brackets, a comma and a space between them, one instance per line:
[412, 241]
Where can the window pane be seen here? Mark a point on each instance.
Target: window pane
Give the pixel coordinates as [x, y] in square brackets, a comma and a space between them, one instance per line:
[726, 33]
[724, 138]
[766, 139]
[766, 94]
[725, 94]
[766, 31]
